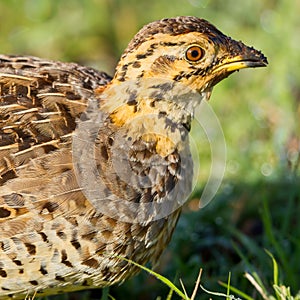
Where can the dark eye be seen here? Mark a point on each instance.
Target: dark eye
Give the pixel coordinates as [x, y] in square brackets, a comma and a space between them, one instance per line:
[194, 53]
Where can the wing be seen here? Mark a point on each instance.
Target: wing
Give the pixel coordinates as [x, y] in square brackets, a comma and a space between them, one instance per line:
[39, 103]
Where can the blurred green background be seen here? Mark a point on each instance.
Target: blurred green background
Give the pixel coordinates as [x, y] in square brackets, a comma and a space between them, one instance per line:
[257, 205]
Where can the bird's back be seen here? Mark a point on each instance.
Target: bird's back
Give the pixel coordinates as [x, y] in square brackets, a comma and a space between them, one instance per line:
[40, 101]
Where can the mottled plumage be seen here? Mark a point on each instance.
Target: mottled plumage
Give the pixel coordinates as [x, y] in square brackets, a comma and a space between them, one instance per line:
[94, 167]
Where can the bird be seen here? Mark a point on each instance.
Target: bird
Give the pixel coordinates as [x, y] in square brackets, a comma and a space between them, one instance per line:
[94, 169]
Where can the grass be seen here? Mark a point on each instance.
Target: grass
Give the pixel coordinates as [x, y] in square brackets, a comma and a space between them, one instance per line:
[257, 207]
[280, 291]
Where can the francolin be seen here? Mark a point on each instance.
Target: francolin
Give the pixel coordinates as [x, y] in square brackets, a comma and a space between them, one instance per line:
[95, 169]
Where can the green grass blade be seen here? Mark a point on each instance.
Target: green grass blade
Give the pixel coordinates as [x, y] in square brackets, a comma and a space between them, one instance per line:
[169, 297]
[163, 279]
[228, 286]
[275, 267]
[236, 291]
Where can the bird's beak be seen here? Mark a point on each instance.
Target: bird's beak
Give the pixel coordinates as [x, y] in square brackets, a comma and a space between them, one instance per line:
[239, 56]
[240, 62]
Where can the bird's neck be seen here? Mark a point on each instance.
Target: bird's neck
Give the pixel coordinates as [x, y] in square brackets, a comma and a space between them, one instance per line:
[153, 96]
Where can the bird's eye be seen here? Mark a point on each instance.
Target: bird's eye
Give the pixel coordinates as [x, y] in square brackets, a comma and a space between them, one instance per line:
[194, 53]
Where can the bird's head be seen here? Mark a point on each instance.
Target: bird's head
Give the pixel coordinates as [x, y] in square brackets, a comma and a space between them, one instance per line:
[186, 50]
[169, 63]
